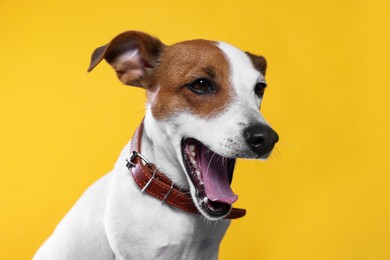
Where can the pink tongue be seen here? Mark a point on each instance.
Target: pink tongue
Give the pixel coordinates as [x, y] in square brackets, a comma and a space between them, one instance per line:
[215, 177]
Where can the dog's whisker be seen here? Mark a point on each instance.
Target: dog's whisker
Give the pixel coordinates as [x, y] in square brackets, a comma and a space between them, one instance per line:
[137, 112]
[280, 155]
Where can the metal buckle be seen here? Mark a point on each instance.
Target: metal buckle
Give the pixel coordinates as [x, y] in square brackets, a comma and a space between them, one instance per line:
[130, 160]
[150, 181]
[130, 164]
[167, 195]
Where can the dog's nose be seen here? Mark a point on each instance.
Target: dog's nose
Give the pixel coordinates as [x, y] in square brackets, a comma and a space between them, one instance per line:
[261, 138]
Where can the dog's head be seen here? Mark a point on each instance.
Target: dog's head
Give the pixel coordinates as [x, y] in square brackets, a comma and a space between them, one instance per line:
[205, 97]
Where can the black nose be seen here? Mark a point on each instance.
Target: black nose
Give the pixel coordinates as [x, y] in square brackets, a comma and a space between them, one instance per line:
[261, 138]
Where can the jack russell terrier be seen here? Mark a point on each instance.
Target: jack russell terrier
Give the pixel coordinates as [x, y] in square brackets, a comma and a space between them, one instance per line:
[169, 195]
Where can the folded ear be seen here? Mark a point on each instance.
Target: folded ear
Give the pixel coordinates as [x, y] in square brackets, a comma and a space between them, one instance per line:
[132, 54]
[259, 62]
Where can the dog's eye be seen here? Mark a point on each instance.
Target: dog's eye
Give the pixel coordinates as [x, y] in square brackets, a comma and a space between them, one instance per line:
[259, 88]
[202, 86]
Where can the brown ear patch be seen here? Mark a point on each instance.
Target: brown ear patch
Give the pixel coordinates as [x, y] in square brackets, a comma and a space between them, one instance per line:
[132, 54]
[259, 62]
[97, 57]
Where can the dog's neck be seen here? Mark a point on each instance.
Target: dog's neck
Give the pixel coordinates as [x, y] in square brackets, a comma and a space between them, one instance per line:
[161, 146]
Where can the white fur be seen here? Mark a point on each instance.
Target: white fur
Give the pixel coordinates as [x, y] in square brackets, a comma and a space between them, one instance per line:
[114, 220]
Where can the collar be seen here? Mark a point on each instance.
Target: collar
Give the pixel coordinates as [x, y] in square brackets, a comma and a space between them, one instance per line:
[156, 184]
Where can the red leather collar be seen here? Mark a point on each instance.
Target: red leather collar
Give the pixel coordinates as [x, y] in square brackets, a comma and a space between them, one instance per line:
[152, 181]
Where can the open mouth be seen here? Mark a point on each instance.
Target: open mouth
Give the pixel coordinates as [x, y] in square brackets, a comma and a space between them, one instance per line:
[211, 174]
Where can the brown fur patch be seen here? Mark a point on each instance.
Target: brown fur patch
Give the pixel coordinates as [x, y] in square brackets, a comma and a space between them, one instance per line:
[180, 65]
[133, 71]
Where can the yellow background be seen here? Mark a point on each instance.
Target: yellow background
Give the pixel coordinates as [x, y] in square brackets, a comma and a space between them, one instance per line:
[325, 195]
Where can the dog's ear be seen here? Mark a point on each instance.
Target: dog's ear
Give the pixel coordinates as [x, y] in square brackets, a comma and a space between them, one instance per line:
[132, 54]
[259, 62]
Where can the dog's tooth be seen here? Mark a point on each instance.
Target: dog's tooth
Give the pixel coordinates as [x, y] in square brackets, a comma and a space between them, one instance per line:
[193, 161]
[192, 147]
[193, 154]
[205, 199]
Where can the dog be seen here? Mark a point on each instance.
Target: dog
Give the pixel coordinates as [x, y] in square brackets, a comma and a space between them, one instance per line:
[169, 195]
